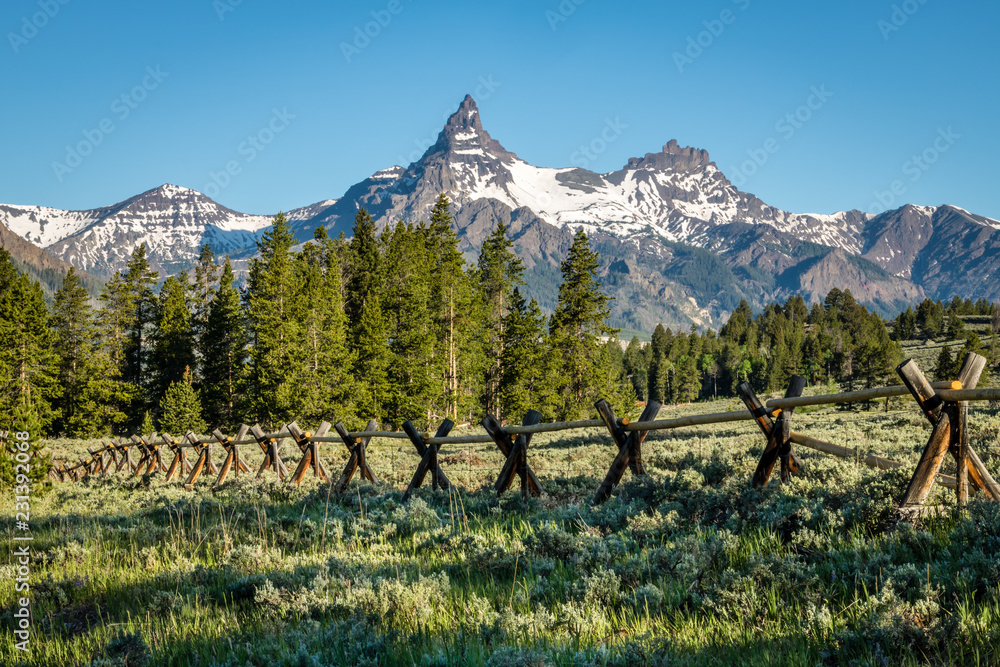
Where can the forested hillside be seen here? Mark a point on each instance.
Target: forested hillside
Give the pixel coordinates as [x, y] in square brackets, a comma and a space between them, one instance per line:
[396, 326]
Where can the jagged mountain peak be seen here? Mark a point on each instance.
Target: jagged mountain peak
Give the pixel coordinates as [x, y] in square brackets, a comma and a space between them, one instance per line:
[464, 135]
[673, 157]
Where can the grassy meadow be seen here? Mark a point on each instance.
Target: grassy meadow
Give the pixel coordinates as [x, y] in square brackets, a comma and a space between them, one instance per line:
[686, 567]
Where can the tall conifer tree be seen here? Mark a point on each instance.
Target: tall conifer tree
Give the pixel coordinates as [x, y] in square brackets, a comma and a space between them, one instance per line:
[225, 341]
[578, 323]
[275, 359]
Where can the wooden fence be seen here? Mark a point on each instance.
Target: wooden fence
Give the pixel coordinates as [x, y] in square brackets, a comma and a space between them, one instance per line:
[944, 404]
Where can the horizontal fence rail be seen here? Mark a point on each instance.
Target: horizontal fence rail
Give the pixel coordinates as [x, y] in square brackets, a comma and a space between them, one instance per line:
[944, 404]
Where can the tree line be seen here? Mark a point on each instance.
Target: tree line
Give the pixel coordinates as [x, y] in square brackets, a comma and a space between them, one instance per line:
[399, 326]
[394, 326]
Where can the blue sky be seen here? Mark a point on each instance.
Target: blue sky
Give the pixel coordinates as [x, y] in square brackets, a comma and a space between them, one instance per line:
[170, 92]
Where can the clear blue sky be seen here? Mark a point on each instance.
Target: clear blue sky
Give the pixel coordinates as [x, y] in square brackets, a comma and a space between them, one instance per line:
[554, 86]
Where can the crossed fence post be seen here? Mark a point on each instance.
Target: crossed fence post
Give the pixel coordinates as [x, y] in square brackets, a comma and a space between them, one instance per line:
[358, 460]
[950, 434]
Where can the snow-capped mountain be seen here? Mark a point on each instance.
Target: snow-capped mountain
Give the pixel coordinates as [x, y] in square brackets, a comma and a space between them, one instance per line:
[679, 242]
[676, 194]
[172, 221]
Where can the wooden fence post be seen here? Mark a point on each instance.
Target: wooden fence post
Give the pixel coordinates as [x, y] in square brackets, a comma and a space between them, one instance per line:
[429, 460]
[310, 452]
[950, 422]
[204, 460]
[359, 456]
[629, 447]
[233, 458]
[778, 435]
[271, 447]
[516, 453]
[180, 457]
[517, 460]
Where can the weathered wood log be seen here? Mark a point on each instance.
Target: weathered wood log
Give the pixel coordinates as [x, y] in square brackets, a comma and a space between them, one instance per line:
[428, 455]
[204, 458]
[946, 435]
[506, 445]
[517, 460]
[853, 396]
[310, 452]
[960, 436]
[180, 462]
[978, 471]
[303, 440]
[776, 445]
[270, 446]
[930, 462]
[357, 459]
[930, 403]
[984, 394]
[629, 447]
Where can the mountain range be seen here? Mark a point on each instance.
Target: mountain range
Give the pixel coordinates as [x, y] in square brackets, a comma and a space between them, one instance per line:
[679, 243]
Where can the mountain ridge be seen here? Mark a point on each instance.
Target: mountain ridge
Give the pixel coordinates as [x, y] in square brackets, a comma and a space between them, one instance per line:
[654, 211]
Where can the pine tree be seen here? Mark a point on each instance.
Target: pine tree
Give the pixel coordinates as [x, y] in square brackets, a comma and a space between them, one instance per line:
[657, 369]
[180, 409]
[147, 426]
[410, 324]
[499, 272]
[206, 277]
[25, 418]
[327, 364]
[906, 325]
[365, 269]
[460, 365]
[529, 368]
[173, 337]
[272, 289]
[637, 367]
[28, 365]
[956, 327]
[72, 324]
[579, 320]
[225, 343]
[139, 306]
[945, 370]
[369, 330]
[108, 399]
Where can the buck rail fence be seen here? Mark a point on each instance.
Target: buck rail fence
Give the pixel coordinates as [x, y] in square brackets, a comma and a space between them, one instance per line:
[944, 404]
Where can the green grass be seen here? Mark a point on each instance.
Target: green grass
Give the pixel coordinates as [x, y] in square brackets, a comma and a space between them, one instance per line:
[685, 567]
